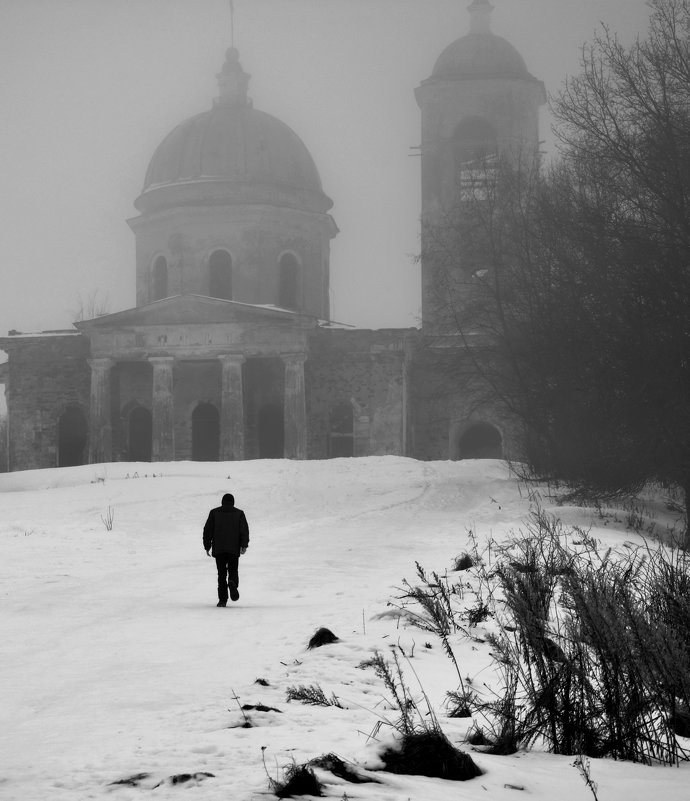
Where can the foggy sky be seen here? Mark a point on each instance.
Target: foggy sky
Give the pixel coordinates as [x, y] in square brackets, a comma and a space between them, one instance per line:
[89, 88]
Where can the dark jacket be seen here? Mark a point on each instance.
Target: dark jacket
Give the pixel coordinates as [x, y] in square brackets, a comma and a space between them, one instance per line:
[226, 530]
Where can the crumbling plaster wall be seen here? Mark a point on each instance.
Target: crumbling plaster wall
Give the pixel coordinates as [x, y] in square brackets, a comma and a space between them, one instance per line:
[367, 370]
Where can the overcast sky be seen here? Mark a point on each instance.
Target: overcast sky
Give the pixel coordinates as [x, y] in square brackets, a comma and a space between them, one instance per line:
[88, 88]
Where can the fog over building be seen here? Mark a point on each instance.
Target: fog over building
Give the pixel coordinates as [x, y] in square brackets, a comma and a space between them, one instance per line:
[231, 351]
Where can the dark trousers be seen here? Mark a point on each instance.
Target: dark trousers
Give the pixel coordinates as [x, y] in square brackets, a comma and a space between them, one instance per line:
[227, 573]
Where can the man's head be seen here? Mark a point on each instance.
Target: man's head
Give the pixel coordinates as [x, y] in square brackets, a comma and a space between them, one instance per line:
[228, 500]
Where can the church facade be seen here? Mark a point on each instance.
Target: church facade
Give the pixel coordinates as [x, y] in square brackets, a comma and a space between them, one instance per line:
[230, 352]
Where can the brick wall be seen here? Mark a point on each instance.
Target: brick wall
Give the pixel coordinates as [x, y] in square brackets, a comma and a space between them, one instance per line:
[47, 374]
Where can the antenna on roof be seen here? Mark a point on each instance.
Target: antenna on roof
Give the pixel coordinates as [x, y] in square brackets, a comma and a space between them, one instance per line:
[232, 23]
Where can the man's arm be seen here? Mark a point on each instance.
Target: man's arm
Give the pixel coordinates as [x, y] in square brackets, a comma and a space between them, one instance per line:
[244, 533]
[208, 532]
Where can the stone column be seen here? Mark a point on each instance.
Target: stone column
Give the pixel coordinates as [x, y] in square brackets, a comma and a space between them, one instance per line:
[231, 408]
[100, 420]
[163, 411]
[295, 408]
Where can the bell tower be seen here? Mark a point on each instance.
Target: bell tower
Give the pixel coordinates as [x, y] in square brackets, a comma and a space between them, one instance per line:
[479, 103]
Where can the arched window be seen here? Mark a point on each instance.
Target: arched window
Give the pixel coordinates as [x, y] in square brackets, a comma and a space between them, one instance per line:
[271, 432]
[72, 436]
[288, 282]
[140, 434]
[205, 433]
[220, 275]
[341, 431]
[475, 151]
[480, 441]
[159, 288]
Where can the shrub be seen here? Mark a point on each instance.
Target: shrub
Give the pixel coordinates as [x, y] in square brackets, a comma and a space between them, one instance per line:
[434, 595]
[596, 658]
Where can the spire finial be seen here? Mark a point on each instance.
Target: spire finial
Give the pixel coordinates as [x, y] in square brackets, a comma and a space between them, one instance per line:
[232, 23]
[480, 16]
[233, 81]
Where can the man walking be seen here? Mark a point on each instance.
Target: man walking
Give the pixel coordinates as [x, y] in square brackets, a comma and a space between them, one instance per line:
[226, 537]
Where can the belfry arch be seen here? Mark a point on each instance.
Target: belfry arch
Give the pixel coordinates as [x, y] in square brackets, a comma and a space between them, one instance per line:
[474, 141]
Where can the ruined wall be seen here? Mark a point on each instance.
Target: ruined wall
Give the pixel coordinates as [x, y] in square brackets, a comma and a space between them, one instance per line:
[365, 369]
[47, 374]
[446, 398]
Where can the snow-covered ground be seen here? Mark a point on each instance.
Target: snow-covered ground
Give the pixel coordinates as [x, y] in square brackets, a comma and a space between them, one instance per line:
[115, 661]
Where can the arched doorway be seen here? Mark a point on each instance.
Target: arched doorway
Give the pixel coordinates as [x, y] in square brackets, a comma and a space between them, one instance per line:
[205, 433]
[480, 441]
[140, 433]
[72, 437]
[271, 432]
[341, 430]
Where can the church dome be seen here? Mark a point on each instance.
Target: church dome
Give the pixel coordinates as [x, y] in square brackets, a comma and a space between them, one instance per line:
[233, 144]
[480, 55]
[246, 153]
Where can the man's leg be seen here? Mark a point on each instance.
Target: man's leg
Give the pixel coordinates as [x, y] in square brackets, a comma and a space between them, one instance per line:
[222, 567]
[233, 576]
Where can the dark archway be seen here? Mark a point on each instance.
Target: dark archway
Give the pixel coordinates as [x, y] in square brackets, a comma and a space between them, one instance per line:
[140, 433]
[474, 141]
[481, 441]
[160, 279]
[271, 432]
[72, 437]
[288, 282]
[341, 430]
[220, 275]
[205, 433]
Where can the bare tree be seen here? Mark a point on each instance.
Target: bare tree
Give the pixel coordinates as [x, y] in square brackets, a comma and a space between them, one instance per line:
[584, 285]
[91, 305]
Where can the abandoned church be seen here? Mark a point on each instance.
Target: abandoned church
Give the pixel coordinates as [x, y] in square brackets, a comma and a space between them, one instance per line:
[230, 352]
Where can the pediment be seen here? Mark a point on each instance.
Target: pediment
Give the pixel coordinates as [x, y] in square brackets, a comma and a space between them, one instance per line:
[193, 310]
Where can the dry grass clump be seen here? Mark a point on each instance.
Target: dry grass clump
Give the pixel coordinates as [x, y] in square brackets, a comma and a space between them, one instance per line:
[297, 780]
[429, 753]
[322, 636]
[313, 695]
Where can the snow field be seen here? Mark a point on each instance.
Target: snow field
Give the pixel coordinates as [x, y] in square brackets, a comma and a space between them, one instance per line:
[115, 661]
